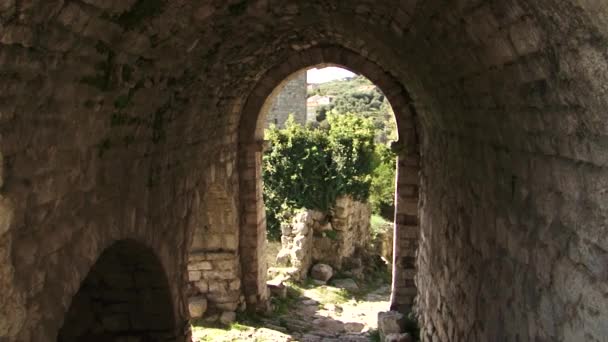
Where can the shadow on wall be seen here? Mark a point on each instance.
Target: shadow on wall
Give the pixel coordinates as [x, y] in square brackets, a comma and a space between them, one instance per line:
[125, 296]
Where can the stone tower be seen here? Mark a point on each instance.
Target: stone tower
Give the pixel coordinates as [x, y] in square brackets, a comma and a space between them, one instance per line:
[291, 99]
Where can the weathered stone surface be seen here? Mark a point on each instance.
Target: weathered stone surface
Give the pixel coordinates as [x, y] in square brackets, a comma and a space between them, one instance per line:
[390, 323]
[227, 317]
[347, 284]
[277, 288]
[398, 338]
[310, 237]
[290, 99]
[321, 272]
[353, 327]
[197, 306]
[140, 112]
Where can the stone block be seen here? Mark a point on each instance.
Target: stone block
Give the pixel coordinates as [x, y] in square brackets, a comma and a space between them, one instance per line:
[227, 317]
[228, 306]
[230, 242]
[197, 306]
[398, 338]
[234, 285]
[346, 284]
[321, 272]
[194, 275]
[390, 322]
[202, 286]
[200, 266]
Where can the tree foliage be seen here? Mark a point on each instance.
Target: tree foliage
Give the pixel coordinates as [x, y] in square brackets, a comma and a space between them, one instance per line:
[358, 95]
[310, 167]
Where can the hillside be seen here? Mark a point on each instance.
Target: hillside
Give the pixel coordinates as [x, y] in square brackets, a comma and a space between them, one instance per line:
[357, 95]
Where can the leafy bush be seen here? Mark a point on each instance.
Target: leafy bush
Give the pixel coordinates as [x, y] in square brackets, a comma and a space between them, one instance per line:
[382, 190]
[311, 167]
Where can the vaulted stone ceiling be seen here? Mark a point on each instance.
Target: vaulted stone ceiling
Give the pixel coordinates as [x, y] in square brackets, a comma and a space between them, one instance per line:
[115, 114]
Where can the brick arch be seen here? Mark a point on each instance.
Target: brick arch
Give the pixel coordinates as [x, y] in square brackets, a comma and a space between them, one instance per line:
[251, 145]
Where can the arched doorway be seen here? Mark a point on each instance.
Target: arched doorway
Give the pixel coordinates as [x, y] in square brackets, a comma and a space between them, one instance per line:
[125, 297]
[251, 146]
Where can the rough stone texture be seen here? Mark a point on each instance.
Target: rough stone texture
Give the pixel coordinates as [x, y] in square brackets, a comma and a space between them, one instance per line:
[398, 338]
[213, 263]
[125, 294]
[345, 231]
[288, 98]
[321, 272]
[390, 323]
[114, 116]
[197, 306]
[313, 236]
[297, 241]
[347, 284]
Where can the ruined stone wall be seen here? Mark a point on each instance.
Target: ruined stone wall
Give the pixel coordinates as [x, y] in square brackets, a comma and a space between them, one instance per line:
[290, 99]
[315, 237]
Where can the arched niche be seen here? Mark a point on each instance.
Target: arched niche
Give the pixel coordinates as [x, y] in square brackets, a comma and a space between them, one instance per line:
[124, 297]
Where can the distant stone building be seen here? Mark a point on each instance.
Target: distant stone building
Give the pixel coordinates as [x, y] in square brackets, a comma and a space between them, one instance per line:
[289, 100]
[313, 103]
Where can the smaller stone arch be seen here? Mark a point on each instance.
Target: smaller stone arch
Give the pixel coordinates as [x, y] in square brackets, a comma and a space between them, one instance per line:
[251, 147]
[125, 296]
[213, 263]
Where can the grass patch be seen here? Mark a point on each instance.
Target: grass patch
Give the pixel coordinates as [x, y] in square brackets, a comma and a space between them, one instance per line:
[332, 295]
[284, 305]
[378, 225]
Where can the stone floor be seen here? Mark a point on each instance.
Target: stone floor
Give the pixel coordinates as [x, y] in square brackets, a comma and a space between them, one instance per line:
[314, 313]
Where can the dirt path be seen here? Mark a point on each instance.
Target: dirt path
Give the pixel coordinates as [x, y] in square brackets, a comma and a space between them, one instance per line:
[321, 313]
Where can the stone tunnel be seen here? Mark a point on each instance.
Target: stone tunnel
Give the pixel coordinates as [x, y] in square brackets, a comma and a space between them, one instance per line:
[119, 118]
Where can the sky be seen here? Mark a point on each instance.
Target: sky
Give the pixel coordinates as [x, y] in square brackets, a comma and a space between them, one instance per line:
[327, 74]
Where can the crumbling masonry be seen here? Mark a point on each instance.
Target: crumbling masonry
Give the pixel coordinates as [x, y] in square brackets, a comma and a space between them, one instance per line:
[125, 126]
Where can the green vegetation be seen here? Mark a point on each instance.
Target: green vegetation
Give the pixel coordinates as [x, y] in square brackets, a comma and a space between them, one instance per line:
[310, 168]
[412, 327]
[382, 192]
[379, 224]
[359, 96]
[282, 306]
[346, 153]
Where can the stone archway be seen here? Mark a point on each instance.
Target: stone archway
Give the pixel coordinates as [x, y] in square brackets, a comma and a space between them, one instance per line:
[125, 296]
[213, 262]
[251, 145]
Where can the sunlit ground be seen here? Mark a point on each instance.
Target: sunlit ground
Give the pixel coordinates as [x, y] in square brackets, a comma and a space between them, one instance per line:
[310, 313]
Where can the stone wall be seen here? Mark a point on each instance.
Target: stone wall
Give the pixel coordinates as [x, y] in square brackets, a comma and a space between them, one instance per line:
[116, 114]
[290, 99]
[316, 237]
[213, 264]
